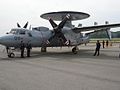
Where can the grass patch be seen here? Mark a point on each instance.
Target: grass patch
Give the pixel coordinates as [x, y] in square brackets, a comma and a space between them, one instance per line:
[113, 40]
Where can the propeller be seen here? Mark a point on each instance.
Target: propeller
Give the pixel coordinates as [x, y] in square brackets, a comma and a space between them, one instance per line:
[25, 26]
[58, 28]
[18, 25]
[52, 23]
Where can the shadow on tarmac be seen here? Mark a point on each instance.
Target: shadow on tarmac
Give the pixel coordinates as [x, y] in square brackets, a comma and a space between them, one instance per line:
[66, 55]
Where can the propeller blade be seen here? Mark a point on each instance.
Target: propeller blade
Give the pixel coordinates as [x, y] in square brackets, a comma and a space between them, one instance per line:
[25, 26]
[52, 23]
[61, 25]
[61, 35]
[18, 25]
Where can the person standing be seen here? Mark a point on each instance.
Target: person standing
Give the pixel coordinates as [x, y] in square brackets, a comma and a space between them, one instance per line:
[7, 49]
[28, 47]
[107, 43]
[97, 50]
[103, 43]
[22, 47]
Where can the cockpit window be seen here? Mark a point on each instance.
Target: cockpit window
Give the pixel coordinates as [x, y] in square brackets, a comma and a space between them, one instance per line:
[13, 31]
[17, 31]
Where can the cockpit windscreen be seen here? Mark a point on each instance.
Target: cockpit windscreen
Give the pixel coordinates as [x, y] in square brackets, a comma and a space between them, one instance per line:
[17, 31]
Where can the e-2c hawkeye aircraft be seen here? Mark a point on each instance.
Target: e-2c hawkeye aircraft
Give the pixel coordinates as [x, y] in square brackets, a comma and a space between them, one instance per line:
[63, 34]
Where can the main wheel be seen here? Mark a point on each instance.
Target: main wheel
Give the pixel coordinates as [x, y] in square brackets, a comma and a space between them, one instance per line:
[74, 50]
[43, 49]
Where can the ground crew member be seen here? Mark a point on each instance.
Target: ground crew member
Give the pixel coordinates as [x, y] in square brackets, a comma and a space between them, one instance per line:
[22, 47]
[103, 43]
[7, 49]
[97, 50]
[107, 43]
[28, 47]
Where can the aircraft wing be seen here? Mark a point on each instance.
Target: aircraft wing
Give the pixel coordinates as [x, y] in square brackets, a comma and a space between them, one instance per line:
[96, 27]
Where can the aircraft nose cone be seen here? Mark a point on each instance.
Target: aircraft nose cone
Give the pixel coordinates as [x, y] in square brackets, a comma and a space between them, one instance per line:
[6, 40]
[1, 40]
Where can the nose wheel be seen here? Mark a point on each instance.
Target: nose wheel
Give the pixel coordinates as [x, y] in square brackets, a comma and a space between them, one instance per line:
[11, 55]
[10, 52]
[75, 50]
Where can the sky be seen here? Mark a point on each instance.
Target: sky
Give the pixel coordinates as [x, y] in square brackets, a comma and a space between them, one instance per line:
[21, 11]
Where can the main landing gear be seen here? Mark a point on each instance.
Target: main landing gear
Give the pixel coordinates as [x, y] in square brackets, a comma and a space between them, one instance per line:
[43, 49]
[75, 50]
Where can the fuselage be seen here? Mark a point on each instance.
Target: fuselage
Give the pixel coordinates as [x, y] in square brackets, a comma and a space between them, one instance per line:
[38, 38]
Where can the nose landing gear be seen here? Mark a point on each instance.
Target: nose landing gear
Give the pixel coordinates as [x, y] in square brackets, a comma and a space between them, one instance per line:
[11, 55]
[10, 52]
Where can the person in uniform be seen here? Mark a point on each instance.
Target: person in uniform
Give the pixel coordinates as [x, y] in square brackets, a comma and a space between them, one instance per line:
[97, 50]
[103, 43]
[7, 49]
[107, 43]
[28, 47]
[22, 47]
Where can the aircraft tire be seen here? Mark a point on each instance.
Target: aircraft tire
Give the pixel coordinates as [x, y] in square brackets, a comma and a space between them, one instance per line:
[43, 49]
[74, 50]
[11, 55]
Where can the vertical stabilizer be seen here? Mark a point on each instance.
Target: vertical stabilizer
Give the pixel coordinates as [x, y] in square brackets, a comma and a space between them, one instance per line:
[108, 33]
